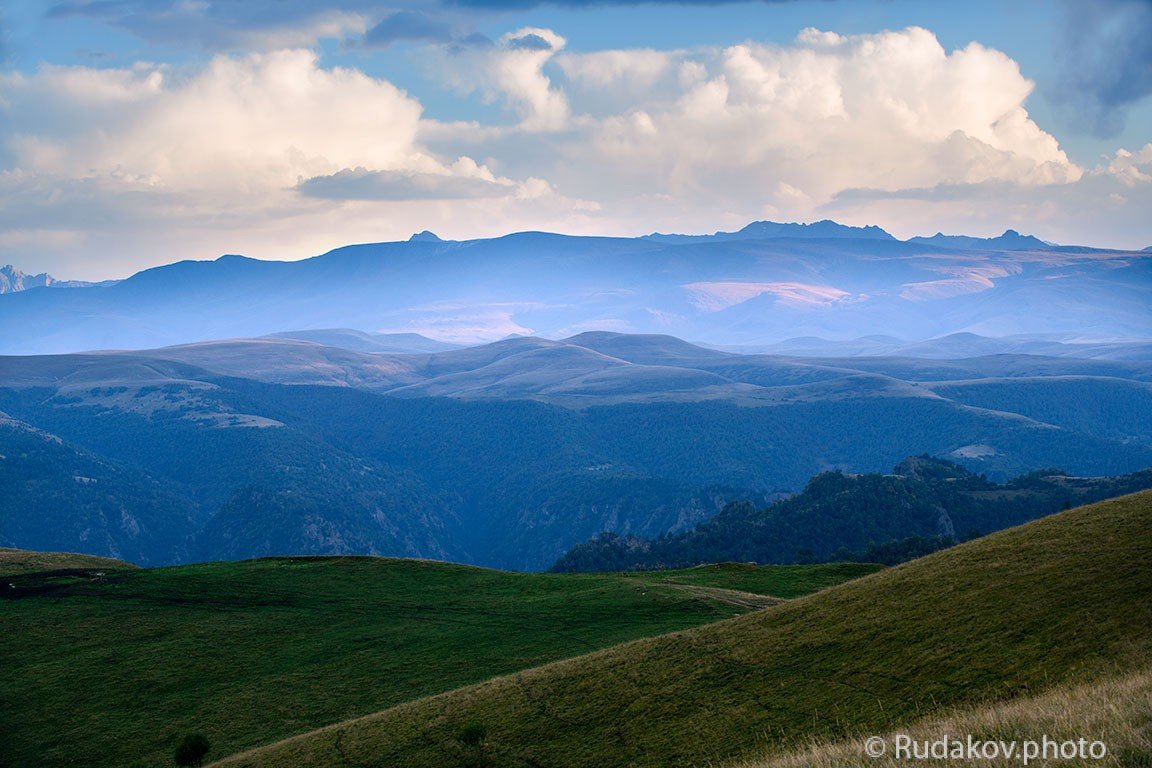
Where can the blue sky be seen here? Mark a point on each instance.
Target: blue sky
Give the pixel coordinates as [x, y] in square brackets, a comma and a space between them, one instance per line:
[135, 132]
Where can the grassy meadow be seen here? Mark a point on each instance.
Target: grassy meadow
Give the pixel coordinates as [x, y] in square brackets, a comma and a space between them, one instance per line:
[111, 667]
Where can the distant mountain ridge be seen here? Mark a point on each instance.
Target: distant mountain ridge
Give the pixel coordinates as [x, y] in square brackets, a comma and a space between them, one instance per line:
[13, 280]
[1011, 240]
[959, 345]
[363, 341]
[764, 230]
[765, 284]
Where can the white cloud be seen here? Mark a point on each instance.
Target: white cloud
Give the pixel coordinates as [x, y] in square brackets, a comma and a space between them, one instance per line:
[129, 167]
[512, 71]
[1106, 207]
[775, 124]
[250, 124]
[1131, 168]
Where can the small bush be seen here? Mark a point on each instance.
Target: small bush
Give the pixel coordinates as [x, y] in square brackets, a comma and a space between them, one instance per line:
[473, 734]
[192, 750]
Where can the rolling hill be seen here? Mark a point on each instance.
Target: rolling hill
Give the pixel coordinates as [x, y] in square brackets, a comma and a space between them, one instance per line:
[113, 667]
[1056, 602]
[360, 341]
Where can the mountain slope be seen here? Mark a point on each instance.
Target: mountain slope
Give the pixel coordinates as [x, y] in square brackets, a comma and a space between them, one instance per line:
[113, 669]
[58, 495]
[1011, 240]
[1057, 600]
[923, 505]
[359, 341]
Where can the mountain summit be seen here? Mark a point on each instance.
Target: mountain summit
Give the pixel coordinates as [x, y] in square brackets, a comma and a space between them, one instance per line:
[767, 230]
[12, 280]
[1011, 240]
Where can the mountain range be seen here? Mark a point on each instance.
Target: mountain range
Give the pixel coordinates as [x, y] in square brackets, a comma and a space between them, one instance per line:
[510, 453]
[762, 285]
[13, 280]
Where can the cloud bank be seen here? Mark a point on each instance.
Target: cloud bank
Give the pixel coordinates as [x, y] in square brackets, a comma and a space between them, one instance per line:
[275, 154]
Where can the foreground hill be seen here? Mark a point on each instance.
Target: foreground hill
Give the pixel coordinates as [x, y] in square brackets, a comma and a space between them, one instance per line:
[1055, 601]
[113, 667]
[760, 285]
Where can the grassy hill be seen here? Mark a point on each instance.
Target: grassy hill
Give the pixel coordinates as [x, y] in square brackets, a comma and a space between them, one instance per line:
[1115, 711]
[1058, 601]
[113, 669]
[19, 561]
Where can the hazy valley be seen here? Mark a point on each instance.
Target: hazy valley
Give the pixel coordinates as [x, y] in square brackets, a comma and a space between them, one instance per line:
[264, 447]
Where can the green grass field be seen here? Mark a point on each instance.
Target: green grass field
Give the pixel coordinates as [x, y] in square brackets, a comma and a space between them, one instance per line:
[112, 670]
[1061, 601]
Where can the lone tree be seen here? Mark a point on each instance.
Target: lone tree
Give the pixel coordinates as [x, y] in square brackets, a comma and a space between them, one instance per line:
[192, 750]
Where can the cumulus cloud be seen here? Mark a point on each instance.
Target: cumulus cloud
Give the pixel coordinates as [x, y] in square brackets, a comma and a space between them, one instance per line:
[1131, 168]
[363, 184]
[1106, 207]
[886, 128]
[512, 72]
[240, 128]
[247, 123]
[222, 152]
[888, 110]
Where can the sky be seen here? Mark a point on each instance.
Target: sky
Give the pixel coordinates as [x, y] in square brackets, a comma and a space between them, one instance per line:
[135, 133]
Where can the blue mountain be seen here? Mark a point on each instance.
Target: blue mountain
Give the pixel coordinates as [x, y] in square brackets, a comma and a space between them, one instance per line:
[1011, 240]
[821, 280]
[766, 230]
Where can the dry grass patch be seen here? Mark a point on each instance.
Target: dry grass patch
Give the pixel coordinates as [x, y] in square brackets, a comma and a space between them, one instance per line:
[1116, 712]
